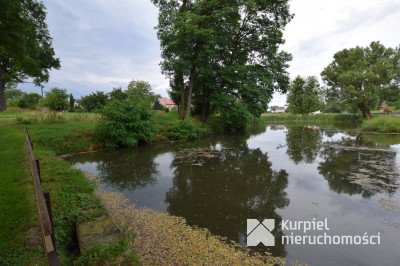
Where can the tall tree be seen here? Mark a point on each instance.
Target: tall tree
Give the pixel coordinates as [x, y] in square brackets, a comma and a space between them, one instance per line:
[25, 44]
[361, 74]
[140, 91]
[305, 95]
[224, 51]
[71, 103]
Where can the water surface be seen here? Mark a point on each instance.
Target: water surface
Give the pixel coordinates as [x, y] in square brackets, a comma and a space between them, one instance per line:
[290, 172]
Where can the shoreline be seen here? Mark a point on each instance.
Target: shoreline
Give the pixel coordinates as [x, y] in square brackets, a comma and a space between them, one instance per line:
[164, 239]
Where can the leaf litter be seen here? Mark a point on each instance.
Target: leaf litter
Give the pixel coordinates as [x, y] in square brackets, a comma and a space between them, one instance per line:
[164, 239]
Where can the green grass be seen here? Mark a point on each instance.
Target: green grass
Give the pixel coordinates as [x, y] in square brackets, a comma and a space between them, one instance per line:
[328, 117]
[71, 193]
[382, 124]
[17, 205]
[64, 138]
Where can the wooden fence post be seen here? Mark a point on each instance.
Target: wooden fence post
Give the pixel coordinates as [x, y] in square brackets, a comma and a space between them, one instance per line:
[46, 195]
[38, 170]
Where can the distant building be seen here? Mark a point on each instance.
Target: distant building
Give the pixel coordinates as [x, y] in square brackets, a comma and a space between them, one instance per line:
[279, 109]
[384, 104]
[168, 103]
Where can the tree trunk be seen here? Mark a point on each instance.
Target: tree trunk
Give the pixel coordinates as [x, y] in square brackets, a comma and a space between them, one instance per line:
[189, 97]
[182, 85]
[209, 114]
[3, 106]
[365, 112]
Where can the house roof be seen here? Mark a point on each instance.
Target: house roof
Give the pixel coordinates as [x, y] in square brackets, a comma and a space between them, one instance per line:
[166, 101]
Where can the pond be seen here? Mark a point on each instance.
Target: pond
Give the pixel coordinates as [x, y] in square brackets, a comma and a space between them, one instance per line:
[292, 172]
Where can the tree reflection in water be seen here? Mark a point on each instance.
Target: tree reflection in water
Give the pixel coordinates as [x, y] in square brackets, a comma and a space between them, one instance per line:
[236, 185]
[355, 166]
[303, 143]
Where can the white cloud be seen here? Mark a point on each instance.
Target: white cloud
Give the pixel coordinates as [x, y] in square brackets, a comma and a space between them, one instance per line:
[103, 44]
[321, 28]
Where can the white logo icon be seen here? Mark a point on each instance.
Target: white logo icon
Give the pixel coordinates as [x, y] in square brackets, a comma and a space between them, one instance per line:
[260, 232]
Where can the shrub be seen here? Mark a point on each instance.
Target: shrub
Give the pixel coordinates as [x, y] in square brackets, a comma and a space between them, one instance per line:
[29, 101]
[237, 117]
[124, 123]
[384, 124]
[25, 120]
[186, 129]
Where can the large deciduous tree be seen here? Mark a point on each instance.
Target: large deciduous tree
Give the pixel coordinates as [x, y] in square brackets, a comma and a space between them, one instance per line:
[305, 95]
[217, 53]
[140, 91]
[360, 75]
[25, 44]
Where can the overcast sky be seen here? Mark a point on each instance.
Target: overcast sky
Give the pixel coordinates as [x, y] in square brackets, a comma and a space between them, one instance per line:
[104, 44]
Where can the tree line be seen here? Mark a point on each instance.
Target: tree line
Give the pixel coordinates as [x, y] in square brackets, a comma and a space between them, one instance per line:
[220, 56]
[59, 100]
[359, 78]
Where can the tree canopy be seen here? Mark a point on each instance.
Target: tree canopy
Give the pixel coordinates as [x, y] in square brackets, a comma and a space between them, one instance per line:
[305, 95]
[94, 101]
[219, 52]
[25, 44]
[358, 76]
[140, 91]
[57, 99]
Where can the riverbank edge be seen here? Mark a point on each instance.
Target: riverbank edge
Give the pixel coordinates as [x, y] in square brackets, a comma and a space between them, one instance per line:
[52, 140]
[163, 239]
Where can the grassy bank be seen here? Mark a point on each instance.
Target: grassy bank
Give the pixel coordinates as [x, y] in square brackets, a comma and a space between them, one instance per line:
[337, 118]
[71, 193]
[18, 219]
[382, 124]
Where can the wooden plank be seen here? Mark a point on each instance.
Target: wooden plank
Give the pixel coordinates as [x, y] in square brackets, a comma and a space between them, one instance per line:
[44, 218]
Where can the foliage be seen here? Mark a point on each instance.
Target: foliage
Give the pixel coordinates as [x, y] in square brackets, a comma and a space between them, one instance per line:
[25, 121]
[25, 44]
[57, 99]
[140, 91]
[323, 117]
[29, 101]
[94, 101]
[359, 75]
[186, 129]
[71, 103]
[305, 95]
[331, 106]
[212, 50]
[157, 105]
[236, 116]
[100, 253]
[14, 94]
[384, 124]
[124, 123]
[117, 94]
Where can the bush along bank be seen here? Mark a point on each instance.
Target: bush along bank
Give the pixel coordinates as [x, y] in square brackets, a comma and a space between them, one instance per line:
[325, 117]
[382, 124]
[72, 193]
